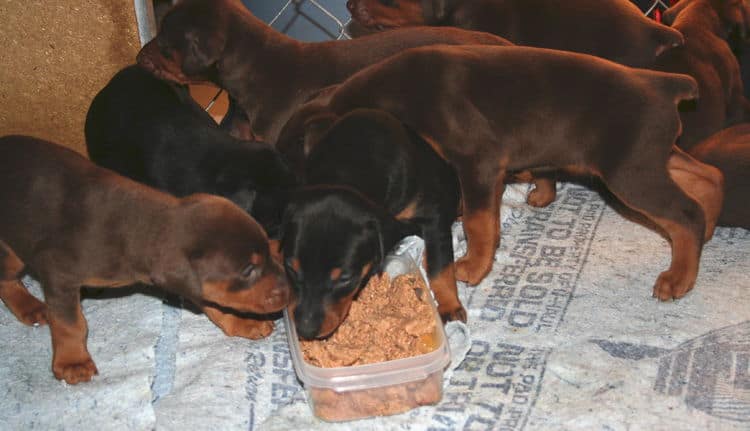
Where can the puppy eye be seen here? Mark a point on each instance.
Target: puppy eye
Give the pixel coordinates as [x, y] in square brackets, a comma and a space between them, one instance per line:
[248, 271]
[344, 281]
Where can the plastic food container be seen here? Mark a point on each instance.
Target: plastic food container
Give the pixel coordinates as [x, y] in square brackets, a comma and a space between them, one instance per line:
[379, 389]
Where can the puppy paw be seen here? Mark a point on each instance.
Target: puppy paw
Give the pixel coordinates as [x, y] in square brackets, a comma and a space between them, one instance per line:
[249, 328]
[539, 198]
[452, 314]
[469, 272]
[75, 372]
[34, 315]
[671, 285]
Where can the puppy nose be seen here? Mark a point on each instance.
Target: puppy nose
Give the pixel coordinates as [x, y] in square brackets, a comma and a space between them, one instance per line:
[306, 327]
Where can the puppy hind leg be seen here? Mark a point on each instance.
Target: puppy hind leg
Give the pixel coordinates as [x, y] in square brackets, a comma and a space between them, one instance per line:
[27, 309]
[481, 222]
[704, 183]
[657, 197]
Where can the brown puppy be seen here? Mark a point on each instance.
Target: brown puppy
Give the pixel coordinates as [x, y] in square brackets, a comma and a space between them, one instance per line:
[267, 73]
[707, 57]
[71, 224]
[612, 29]
[509, 109]
[729, 150]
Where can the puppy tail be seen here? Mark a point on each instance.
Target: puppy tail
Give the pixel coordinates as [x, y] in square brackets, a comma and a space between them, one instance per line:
[666, 38]
[678, 86]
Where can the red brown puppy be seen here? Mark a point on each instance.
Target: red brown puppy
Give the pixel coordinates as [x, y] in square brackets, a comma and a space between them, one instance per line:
[266, 73]
[707, 57]
[612, 29]
[729, 150]
[71, 223]
[493, 110]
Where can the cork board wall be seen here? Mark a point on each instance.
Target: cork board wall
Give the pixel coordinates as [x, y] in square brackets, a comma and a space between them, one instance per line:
[55, 56]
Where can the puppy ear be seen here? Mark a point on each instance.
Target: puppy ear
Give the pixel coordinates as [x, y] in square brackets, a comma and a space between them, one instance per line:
[670, 14]
[391, 232]
[201, 52]
[244, 199]
[315, 127]
[437, 11]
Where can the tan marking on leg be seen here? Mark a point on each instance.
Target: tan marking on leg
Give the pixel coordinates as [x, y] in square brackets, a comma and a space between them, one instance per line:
[71, 360]
[679, 279]
[482, 229]
[702, 182]
[236, 326]
[446, 294]
[27, 309]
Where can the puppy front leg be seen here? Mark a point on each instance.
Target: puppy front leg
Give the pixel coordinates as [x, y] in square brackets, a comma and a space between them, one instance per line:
[441, 272]
[27, 309]
[481, 219]
[236, 326]
[71, 360]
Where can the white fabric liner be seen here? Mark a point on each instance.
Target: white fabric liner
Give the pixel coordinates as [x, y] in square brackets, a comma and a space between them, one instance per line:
[563, 334]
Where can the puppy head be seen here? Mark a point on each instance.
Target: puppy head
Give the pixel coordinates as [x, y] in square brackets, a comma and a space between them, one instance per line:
[228, 255]
[385, 14]
[302, 132]
[191, 40]
[257, 179]
[333, 240]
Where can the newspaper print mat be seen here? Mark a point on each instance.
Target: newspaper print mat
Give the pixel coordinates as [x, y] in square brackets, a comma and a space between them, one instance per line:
[563, 334]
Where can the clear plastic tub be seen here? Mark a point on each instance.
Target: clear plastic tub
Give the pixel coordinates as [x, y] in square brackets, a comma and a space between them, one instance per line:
[379, 389]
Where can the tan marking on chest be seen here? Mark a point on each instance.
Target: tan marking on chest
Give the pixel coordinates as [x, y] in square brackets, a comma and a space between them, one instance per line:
[409, 212]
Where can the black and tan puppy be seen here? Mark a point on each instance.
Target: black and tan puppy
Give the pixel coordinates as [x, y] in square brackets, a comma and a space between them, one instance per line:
[707, 57]
[370, 182]
[153, 132]
[612, 29]
[266, 73]
[481, 109]
[71, 223]
[729, 150]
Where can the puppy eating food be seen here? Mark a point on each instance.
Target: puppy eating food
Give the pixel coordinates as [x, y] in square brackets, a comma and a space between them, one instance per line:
[266, 73]
[487, 123]
[153, 132]
[70, 223]
[388, 320]
[362, 196]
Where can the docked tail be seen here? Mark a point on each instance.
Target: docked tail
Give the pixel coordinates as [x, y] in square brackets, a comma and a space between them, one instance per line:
[666, 38]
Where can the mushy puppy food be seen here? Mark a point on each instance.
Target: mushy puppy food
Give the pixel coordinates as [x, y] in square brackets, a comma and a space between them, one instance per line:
[387, 321]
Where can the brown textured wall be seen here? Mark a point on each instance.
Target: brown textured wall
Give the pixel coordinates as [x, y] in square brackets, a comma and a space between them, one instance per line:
[54, 57]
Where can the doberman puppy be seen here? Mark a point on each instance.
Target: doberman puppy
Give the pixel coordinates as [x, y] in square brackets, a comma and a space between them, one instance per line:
[153, 132]
[363, 193]
[266, 73]
[707, 57]
[729, 150]
[612, 29]
[486, 123]
[70, 224]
